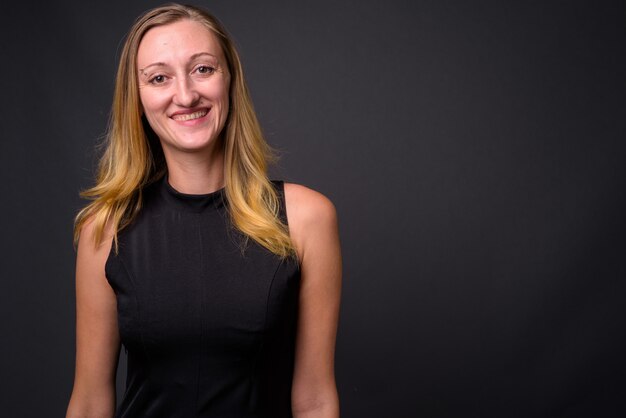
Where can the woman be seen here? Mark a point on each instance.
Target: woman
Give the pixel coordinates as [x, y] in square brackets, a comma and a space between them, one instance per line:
[223, 287]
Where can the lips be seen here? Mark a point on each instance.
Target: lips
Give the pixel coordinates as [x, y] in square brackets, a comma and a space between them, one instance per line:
[186, 116]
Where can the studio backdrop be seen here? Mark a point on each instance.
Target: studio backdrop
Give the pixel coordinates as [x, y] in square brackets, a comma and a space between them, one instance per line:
[475, 151]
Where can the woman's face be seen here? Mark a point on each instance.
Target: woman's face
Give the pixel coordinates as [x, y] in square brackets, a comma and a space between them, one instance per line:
[183, 85]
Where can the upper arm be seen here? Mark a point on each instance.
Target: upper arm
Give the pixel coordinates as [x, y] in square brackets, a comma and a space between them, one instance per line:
[313, 227]
[97, 336]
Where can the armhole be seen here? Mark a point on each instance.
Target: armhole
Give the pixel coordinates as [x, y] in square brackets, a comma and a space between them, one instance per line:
[279, 186]
[112, 266]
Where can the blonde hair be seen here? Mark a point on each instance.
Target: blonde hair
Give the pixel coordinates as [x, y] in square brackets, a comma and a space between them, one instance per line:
[133, 157]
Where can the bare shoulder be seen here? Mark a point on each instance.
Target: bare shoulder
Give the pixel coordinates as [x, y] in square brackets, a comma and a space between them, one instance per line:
[91, 257]
[306, 206]
[312, 218]
[87, 236]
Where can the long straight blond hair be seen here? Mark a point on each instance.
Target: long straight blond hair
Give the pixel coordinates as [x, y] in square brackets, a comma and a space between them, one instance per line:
[133, 157]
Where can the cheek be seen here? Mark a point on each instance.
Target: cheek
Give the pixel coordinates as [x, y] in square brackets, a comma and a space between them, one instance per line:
[224, 99]
[150, 102]
[217, 93]
[216, 89]
[152, 106]
[226, 90]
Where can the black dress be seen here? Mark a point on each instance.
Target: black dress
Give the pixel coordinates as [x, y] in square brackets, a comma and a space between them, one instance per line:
[208, 323]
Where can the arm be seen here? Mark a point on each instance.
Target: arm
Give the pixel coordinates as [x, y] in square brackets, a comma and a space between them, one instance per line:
[97, 337]
[313, 228]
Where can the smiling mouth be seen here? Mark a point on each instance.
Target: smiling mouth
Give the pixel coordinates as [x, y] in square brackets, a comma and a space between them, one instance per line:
[191, 116]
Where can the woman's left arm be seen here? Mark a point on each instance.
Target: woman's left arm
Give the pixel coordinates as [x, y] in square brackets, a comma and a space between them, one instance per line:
[313, 228]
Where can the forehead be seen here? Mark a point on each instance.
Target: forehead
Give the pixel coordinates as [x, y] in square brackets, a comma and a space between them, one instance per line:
[177, 41]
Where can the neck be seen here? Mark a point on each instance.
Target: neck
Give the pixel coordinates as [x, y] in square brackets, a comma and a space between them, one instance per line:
[196, 173]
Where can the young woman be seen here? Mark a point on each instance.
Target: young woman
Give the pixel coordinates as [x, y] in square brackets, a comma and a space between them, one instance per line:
[222, 286]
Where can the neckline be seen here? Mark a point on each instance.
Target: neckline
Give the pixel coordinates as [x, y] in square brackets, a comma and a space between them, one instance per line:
[190, 202]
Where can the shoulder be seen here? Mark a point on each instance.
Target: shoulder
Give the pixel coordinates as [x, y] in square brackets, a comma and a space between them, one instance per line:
[305, 206]
[94, 236]
[309, 214]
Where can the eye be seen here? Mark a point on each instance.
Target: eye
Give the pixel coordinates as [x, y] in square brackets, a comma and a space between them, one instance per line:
[205, 69]
[157, 79]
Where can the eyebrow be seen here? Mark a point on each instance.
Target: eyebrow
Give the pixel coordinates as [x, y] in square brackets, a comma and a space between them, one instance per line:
[162, 64]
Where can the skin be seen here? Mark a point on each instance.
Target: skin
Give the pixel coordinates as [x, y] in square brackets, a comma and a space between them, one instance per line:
[192, 76]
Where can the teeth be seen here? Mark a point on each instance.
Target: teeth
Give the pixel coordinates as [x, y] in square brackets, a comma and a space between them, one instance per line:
[190, 116]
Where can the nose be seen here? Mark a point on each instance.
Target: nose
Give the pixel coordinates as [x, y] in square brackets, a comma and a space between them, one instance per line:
[186, 94]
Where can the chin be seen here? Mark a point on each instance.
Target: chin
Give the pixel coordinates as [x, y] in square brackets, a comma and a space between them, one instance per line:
[197, 145]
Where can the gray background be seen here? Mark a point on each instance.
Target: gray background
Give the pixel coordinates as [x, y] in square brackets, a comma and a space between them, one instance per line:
[475, 153]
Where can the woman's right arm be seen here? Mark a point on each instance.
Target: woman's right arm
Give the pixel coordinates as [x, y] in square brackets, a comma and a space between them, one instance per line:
[97, 336]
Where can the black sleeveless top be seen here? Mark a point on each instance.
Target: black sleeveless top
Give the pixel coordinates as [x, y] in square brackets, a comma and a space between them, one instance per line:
[208, 321]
